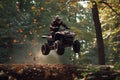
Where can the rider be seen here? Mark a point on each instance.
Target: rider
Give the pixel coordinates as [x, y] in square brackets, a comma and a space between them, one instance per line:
[55, 25]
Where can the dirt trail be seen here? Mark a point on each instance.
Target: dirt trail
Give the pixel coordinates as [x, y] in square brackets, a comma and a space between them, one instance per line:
[53, 72]
[37, 72]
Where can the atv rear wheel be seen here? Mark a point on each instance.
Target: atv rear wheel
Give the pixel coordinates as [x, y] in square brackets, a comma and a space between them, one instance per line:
[45, 49]
[59, 48]
[76, 46]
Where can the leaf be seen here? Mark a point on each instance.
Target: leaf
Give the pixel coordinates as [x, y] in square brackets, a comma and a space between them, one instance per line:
[47, 74]
[14, 41]
[33, 7]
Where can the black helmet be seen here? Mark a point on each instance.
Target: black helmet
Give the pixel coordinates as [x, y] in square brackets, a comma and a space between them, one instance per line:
[57, 18]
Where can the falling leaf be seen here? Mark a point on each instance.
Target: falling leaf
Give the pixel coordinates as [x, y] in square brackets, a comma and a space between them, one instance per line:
[34, 21]
[25, 36]
[39, 9]
[42, 8]
[14, 41]
[40, 27]
[33, 7]
[30, 32]
[30, 54]
[47, 2]
[10, 57]
[21, 30]
[35, 30]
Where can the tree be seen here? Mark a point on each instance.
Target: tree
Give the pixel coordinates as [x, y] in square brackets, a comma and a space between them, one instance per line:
[101, 54]
[110, 27]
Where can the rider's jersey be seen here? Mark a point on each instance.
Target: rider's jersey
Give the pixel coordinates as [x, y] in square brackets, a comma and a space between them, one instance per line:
[56, 24]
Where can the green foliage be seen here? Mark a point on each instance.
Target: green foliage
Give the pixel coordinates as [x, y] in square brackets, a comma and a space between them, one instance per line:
[118, 78]
[84, 74]
[110, 26]
[117, 66]
[93, 69]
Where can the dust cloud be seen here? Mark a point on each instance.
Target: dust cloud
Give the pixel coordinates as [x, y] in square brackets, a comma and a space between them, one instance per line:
[32, 55]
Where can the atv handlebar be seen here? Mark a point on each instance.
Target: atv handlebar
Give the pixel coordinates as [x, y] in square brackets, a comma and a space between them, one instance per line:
[58, 27]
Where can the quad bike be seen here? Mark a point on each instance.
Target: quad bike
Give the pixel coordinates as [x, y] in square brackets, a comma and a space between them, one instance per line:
[62, 39]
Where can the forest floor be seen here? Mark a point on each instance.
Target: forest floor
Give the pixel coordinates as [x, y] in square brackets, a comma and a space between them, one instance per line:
[53, 72]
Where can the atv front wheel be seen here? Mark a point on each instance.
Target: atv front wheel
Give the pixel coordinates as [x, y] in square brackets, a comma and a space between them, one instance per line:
[45, 49]
[59, 48]
[76, 46]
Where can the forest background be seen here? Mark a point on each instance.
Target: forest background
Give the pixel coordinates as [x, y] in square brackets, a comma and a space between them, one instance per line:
[23, 22]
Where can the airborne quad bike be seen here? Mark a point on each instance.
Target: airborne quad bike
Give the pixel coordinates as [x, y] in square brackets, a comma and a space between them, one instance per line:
[62, 39]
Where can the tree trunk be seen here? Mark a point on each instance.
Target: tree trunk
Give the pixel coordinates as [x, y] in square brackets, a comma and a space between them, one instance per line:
[100, 44]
